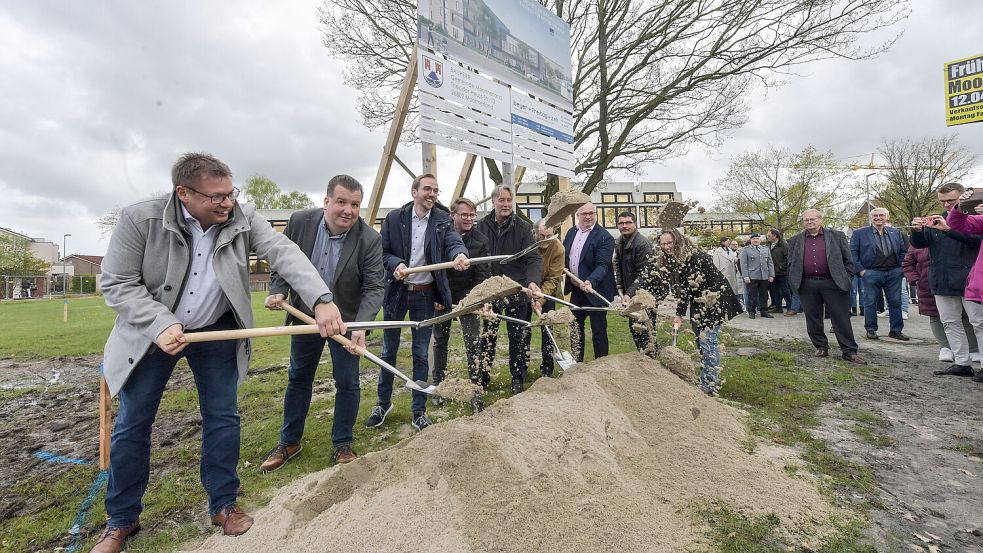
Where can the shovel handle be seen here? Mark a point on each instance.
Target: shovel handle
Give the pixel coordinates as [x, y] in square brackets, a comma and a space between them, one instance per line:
[242, 333]
[450, 264]
[580, 283]
[310, 320]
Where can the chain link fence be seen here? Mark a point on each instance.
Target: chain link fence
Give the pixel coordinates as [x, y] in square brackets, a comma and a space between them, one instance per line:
[22, 287]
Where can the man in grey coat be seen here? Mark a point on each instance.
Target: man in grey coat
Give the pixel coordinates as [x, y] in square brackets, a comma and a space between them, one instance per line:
[820, 269]
[178, 264]
[758, 270]
[347, 253]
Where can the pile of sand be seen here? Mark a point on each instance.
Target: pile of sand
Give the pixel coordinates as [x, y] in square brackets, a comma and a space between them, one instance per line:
[678, 362]
[490, 289]
[457, 389]
[560, 316]
[611, 457]
[563, 205]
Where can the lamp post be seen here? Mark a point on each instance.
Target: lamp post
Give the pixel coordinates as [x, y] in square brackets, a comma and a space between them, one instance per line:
[64, 275]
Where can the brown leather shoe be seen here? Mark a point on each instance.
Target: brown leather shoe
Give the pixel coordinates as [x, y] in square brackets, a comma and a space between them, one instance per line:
[344, 454]
[279, 456]
[112, 539]
[791, 313]
[854, 358]
[821, 352]
[233, 521]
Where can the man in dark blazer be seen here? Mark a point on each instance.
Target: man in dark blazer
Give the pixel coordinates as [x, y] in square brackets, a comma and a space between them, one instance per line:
[878, 250]
[589, 250]
[347, 253]
[820, 268]
[417, 234]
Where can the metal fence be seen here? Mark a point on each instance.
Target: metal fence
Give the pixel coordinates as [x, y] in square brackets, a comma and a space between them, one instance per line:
[22, 287]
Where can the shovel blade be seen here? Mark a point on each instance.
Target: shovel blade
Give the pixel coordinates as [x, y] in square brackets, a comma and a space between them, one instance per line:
[565, 360]
[421, 386]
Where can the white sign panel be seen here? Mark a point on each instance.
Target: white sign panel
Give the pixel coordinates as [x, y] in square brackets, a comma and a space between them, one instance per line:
[517, 41]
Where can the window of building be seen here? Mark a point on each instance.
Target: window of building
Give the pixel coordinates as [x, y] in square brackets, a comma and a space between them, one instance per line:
[526, 199]
[657, 197]
[608, 216]
[616, 197]
[534, 213]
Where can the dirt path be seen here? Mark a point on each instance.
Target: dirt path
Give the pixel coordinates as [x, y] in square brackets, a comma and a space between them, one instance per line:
[926, 450]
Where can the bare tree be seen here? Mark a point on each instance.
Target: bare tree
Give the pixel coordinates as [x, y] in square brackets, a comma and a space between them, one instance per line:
[777, 186]
[651, 78]
[916, 168]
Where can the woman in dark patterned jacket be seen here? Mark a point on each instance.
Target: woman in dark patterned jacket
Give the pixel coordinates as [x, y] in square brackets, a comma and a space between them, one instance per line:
[678, 269]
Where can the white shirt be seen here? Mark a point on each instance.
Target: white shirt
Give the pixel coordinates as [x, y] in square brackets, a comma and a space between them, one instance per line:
[202, 300]
[577, 247]
[418, 253]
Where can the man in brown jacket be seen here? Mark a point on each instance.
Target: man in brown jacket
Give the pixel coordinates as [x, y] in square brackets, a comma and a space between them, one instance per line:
[552, 254]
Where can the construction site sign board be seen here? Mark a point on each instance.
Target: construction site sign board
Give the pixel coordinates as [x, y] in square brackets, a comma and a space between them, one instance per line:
[519, 42]
[964, 91]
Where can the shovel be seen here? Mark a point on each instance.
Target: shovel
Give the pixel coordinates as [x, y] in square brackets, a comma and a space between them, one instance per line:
[419, 386]
[610, 306]
[465, 309]
[507, 319]
[563, 358]
[477, 260]
[675, 332]
[535, 245]
[292, 330]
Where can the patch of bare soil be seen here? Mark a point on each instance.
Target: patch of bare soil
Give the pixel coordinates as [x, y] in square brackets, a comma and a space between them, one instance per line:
[588, 462]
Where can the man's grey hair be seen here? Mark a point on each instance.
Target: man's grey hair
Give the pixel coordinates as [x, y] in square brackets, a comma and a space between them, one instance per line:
[808, 211]
[878, 210]
[498, 191]
[191, 167]
[347, 182]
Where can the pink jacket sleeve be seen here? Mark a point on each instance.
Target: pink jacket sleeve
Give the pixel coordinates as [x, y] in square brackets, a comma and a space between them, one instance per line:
[959, 221]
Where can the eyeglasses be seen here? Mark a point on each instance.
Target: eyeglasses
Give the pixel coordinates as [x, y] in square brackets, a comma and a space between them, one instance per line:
[466, 215]
[218, 198]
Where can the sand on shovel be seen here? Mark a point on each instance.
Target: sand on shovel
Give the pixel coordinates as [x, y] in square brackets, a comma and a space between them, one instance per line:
[563, 205]
[605, 467]
[457, 389]
[489, 290]
[678, 362]
[671, 215]
[641, 301]
[560, 316]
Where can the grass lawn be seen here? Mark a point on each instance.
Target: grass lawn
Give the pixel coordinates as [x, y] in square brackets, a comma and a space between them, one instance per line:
[781, 392]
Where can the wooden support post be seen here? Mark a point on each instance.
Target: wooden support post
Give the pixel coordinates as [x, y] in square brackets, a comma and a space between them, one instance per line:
[404, 166]
[517, 179]
[392, 140]
[563, 185]
[105, 422]
[429, 159]
[462, 180]
[507, 175]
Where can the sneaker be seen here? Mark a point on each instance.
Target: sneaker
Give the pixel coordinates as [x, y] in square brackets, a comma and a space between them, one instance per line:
[378, 416]
[946, 355]
[279, 456]
[882, 314]
[904, 315]
[344, 454]
[872, 336]
[421, 421]
[898, 336]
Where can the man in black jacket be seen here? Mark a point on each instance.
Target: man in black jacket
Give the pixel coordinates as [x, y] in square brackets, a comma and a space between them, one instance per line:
[461, 282]
[953, 255]
[417, 234]
[778, 288]
[508, 234]
[348, 254]
[631, 253]
[820, 267]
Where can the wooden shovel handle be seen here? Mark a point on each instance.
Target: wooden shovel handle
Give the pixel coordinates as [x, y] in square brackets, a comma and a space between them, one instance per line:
[309, 320]
[242, 333]
[580, 283]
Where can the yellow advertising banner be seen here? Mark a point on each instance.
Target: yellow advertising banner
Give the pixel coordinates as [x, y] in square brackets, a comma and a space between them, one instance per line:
[964, 91]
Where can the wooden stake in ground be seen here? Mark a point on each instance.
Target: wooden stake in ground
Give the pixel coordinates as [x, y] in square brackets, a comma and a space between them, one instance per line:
[105, 422]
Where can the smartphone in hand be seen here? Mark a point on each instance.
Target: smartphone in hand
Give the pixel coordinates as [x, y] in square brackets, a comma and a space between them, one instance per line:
[968, 206]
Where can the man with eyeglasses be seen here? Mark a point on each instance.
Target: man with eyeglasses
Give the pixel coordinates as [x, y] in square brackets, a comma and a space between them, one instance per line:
[175, 265]
[953, 254]
[820, 268]
[417, 234]
[589, 252]
[631, 253]
[463, 213]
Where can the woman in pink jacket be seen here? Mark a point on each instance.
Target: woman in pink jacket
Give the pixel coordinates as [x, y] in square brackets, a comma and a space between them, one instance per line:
[971, 224]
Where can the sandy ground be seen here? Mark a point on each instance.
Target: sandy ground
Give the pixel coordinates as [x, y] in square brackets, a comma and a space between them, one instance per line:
[612, 456]
[930, 479]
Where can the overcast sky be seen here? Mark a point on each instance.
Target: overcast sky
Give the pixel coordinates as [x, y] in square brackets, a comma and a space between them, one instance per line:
[99, 98]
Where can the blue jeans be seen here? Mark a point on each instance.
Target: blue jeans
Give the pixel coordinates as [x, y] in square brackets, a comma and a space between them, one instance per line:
[420, 306]
[796, 301]
[887, 283]
[305, 353]
[706, 340]
[857, 292]
[216, 377]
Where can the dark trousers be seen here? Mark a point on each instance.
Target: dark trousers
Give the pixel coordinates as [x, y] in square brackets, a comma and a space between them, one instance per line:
[305, 353]
[442, 335]
[546, 367]
[641, 336]
[518, 307]
[780, 291]
[598, 326]
[820, 294]
[757, 299]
